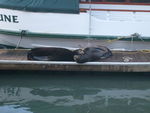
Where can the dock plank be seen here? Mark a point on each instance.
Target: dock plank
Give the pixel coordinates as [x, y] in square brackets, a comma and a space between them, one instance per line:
[121, 61]
[12, 54]
[118, 56]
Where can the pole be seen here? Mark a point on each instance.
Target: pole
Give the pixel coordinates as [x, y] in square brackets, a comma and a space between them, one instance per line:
[89, 34]
[90, 7]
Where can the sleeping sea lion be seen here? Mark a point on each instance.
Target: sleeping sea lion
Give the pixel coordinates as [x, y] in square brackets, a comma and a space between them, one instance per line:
[92, 54]
[50, 54]
[61, 54]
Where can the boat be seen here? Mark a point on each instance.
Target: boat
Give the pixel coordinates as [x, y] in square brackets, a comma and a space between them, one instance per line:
[75, 23]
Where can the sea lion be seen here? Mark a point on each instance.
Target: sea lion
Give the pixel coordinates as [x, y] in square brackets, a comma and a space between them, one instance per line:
[50, 54]
[61, 54]
[92, 54]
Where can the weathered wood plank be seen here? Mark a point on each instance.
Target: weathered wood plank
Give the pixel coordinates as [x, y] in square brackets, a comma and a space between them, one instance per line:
[121, 61]
[72, 66]
[118, 56]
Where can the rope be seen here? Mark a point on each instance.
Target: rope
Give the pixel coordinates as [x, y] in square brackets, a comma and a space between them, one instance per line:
[145, 51]
[135, 51]
[23, 33]
[132, 36]
[114, 40]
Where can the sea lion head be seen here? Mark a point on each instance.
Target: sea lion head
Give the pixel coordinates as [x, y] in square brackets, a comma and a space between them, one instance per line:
[92, 54]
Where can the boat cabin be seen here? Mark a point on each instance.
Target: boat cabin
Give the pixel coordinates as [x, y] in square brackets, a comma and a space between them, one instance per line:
[120, 1]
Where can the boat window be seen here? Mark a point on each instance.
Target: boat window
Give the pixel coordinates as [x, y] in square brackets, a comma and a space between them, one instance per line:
[92, 0]
[127, 1]
[140, 1]
[103, 0]
[83, 0]
[116, 0]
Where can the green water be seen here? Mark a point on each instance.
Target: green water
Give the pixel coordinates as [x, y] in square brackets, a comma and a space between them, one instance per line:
[45, 92]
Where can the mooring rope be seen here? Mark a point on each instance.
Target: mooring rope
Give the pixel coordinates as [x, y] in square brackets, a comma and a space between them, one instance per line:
[23, 33]
[132, 37]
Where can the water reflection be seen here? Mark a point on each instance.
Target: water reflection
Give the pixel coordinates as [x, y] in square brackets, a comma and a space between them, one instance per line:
[66, 97]
[13, 109]
[72, 94]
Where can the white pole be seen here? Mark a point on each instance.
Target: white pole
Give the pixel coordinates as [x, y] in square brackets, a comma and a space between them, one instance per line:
[90, 7]
[89, 35]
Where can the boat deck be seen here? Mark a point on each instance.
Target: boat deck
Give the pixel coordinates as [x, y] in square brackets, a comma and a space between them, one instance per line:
[121, 61]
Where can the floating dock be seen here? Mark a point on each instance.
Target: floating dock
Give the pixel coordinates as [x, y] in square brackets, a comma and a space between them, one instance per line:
[121, 61]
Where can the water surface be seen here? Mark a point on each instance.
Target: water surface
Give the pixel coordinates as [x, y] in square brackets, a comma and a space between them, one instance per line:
[49, 92]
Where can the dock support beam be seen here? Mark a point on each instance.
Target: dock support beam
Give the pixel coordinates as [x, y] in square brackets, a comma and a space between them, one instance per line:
[72, 66]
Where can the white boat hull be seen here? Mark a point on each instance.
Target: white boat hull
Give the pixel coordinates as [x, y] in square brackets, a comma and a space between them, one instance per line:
[32, 42]
[47, 29]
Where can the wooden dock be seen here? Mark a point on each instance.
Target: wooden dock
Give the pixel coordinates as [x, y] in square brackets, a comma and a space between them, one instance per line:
[121, 61]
